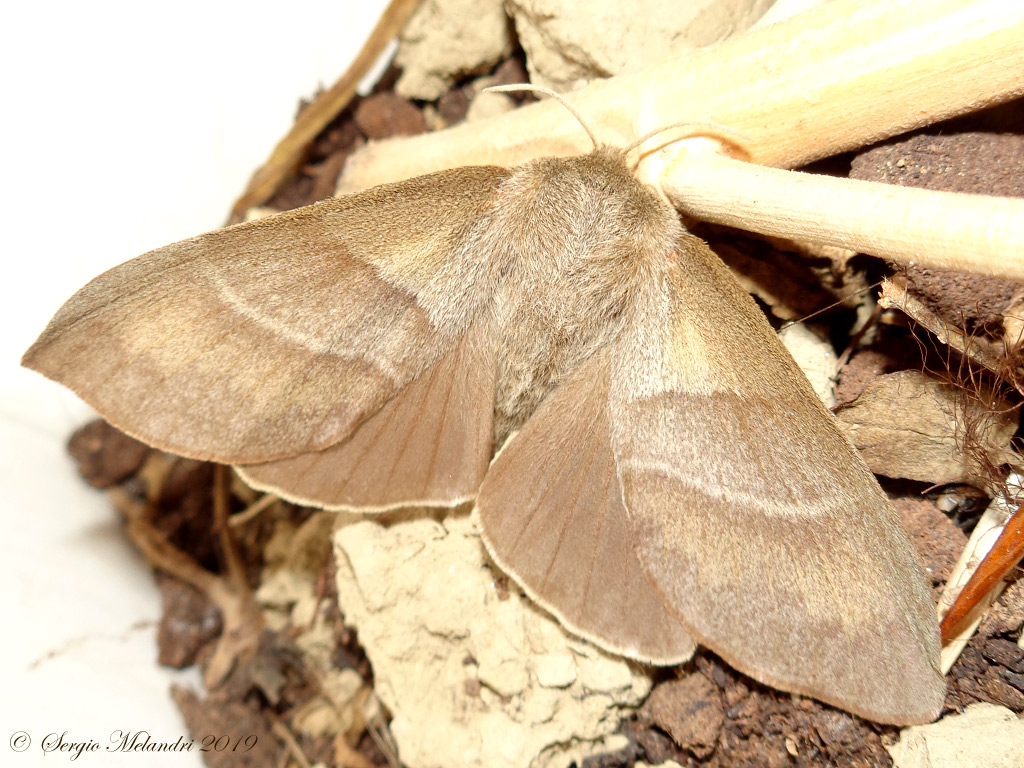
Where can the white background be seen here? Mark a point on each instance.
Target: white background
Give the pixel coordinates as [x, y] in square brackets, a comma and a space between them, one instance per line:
[124, 127]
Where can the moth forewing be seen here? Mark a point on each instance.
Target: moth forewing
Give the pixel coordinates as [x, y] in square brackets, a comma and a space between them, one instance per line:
[279, 336]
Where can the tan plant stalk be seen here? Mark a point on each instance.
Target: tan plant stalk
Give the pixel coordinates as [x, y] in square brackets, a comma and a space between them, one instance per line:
[968, 233]
[833, 78]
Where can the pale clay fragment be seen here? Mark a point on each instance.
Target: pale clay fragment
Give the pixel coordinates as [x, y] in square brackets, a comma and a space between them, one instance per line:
[569, 43]
[816, 358]
[474, 673]
[446, 39]
[984, 736]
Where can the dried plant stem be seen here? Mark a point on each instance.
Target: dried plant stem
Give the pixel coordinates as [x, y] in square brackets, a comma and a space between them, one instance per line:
[253, 511]
[221, 501]
[968, 233]
[242, 618]
[280, 730]
[377, 727]
[986, 533]
[834, 78]
[895, 296]
[1006, 552]
[155, 548]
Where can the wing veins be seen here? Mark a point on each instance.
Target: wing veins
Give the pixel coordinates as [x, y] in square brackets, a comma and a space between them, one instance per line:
[572, 511]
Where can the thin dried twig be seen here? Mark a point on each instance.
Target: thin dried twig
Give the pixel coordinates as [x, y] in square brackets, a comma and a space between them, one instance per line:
[221, 501]
[859, 336]
[895, 296]
[159, 553]
[1006, 552]
[832, 79]
[377, 727]
[241, 616]
[292, 747]
[252, 511]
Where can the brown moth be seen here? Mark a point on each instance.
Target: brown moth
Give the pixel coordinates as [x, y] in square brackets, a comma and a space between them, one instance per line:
[670, 478]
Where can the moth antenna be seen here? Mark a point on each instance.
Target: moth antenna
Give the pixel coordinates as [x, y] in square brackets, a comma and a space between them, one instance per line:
[837, 303]
[735, 140]
[547, 92]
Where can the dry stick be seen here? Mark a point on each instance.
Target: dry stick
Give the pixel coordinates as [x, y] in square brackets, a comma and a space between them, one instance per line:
[1006, 552]
[895, 296]
[292, 747]
[221, 502]
[159, 553]
[241, 616]
[834, 78]
[288, 154]
[252, 511]
[986, 532]
[242, 626]
[947, 230]
[378, 730]
[858, 337]
[321, 591]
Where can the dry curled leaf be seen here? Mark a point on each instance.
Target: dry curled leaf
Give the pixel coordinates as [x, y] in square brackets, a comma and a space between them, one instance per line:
[911, 425]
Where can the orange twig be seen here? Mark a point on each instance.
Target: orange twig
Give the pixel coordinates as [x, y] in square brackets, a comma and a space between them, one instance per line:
[1000, 560]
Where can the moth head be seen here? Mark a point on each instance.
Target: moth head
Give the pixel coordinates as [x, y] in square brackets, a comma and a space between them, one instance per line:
[588, 213]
